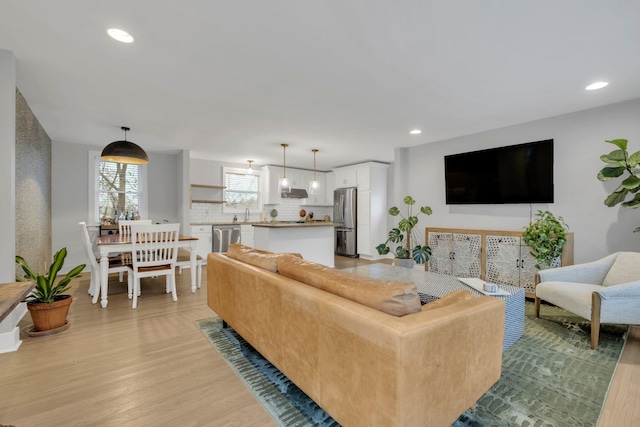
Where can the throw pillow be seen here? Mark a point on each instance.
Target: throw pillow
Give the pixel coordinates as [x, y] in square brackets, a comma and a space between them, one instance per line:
[625, 269]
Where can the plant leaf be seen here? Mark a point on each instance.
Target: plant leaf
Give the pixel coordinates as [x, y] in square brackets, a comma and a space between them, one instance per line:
[420, 254]
[633, 203]
[631, 182]
[395, 235]
[402, 252]
[382, 249]
[394, 211]
[610, 172]
[621, 143]
[616, 197]
[634, 159]
[426, 210]
[29, 273]
[56, 265]
[409, 201]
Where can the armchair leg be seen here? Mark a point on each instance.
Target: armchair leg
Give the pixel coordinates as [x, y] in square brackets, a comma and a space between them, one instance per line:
[536, 307]
[595, 320]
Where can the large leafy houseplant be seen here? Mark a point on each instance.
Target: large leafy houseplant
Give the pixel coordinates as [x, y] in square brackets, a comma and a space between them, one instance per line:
[546, 237]
[46, 290]
[46, 303]
[405, 233]
[622, 163]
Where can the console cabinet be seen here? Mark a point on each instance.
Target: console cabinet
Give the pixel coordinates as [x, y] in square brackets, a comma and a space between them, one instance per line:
[497, 256]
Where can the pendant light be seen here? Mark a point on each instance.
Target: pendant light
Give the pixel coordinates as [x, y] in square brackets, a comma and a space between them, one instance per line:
[314, 186]
[249, 170]
[124, 151]
[284, 186]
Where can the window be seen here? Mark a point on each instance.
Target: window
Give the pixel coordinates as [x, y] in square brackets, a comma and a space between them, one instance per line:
[242, 190]
[118, 188]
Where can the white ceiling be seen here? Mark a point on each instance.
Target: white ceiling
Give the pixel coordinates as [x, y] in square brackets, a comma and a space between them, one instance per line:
[231, 80]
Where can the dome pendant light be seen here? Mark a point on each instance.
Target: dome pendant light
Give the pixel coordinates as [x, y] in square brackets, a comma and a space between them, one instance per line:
[124, 151]
[314, 186]
[284, 186]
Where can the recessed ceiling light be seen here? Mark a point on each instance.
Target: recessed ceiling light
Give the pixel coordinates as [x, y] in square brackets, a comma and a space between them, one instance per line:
[120, 35]
[415, 132]
[596, 85]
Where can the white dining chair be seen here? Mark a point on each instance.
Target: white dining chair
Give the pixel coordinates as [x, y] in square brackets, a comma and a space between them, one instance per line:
[184, 261]
[117, 264]
[154, 253]
[124, 226]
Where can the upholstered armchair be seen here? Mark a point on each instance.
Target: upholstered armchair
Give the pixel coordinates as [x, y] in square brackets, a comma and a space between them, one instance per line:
[604, 291]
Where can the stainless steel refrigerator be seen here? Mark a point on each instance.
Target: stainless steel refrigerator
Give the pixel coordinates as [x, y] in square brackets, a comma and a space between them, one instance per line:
[344, 213]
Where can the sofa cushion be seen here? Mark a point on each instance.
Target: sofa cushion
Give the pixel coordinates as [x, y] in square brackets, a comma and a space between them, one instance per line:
[625, 269]
[256, 257]
[395, 298]
[451, 298]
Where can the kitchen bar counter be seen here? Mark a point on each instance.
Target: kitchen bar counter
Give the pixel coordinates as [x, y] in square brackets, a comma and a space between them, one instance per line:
[313, 240]
[286, 224]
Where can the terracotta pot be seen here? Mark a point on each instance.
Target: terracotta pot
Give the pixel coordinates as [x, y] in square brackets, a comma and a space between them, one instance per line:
[48, 316]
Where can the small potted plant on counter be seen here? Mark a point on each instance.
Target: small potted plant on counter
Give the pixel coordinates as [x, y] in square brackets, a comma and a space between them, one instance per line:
[47, 304]
[546, 237]
[405, 254]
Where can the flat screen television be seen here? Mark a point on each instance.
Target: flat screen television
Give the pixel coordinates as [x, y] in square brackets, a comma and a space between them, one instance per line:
[520, 173]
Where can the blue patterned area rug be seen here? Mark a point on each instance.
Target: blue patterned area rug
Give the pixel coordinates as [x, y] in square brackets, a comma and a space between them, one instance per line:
[550, 377]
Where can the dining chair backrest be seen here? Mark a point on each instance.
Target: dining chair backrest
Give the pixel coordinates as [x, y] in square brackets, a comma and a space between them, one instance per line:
[124, 226]
[88, 247]
[154, 244]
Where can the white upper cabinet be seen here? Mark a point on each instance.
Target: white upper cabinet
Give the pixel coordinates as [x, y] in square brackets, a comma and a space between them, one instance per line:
[345, 177]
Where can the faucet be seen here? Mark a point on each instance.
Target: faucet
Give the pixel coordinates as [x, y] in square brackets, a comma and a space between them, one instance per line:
[246, 215]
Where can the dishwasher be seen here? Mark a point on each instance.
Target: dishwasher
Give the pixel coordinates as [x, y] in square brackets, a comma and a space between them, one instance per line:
[225, 235]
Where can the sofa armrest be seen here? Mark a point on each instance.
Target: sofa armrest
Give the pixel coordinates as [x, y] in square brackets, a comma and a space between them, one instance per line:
[592, 273]
[625, 290]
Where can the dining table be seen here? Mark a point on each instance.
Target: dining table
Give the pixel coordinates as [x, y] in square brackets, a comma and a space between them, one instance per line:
[119, 243]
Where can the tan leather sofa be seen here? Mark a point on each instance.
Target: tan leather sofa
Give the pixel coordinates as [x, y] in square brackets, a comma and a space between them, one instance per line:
[363, 366]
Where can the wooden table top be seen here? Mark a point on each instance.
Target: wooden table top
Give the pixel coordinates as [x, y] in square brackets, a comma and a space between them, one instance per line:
[11, 294]
[123, 239]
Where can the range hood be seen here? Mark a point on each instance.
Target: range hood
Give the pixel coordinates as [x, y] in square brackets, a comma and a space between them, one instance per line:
[296, 193]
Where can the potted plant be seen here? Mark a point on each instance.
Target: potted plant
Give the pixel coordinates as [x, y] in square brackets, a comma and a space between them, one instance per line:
[546, 237]
[404, 253]
[621, 163]
[46, 303]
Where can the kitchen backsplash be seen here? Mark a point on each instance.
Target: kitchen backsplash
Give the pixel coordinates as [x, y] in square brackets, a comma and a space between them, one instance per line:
[288, 210]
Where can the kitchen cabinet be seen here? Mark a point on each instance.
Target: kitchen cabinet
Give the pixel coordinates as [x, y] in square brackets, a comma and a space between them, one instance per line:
[496, 256]
[246, 235]
[330, 182]
[372, 208]
[204, 244]
[456, 254]
[299, 178]
[345, 177]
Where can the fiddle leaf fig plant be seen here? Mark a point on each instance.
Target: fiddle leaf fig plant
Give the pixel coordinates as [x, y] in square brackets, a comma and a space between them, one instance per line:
[546, 237]
[404, 233]
[621, 163]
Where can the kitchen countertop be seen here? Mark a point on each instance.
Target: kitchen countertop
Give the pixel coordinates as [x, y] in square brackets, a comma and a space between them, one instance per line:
[292, 224]
[272, 224]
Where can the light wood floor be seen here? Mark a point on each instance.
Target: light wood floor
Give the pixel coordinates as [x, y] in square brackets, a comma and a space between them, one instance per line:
[152, 366]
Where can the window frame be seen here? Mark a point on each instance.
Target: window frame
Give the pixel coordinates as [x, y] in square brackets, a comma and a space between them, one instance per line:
[93, 213]
[240, 171]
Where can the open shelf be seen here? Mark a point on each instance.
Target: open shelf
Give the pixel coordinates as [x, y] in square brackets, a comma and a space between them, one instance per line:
[202, 194]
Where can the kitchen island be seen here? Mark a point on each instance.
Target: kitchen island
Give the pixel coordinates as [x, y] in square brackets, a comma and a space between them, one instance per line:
[312, 240]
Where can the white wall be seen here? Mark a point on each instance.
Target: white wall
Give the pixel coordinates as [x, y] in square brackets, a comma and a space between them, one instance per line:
[7, 166]
[70, 188]
[579, 196]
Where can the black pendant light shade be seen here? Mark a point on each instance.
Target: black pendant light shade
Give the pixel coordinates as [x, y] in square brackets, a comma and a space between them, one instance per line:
[124, 151]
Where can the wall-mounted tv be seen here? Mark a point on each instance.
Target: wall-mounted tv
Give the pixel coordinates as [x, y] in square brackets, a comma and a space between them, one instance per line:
[520, 173]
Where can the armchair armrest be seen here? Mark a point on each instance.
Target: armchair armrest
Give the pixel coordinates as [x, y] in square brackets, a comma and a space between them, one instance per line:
[592, 273]
[625, 290]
